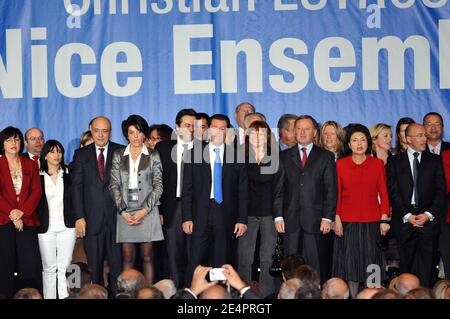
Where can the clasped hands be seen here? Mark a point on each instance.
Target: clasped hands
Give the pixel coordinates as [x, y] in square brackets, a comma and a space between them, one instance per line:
[418, 220]
[16, 217]
[135, 219]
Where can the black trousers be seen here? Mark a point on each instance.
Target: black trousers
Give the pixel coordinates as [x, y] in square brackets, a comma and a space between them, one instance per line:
[177, 247]
[211, 245]
[101, 247]
[19, 252]
[444, 245]
[418, 251]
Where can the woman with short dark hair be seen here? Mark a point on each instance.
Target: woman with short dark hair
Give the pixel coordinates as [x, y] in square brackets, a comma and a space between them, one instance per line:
[136, 187]
[20, 192]
[57, 231]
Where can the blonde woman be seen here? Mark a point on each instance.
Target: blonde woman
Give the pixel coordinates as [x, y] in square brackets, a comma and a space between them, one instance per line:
[382, 141]
[332, 137]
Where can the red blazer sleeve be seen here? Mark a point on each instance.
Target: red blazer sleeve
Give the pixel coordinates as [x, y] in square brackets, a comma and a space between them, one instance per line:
[385, 207]
[32, 195]
[339, 168]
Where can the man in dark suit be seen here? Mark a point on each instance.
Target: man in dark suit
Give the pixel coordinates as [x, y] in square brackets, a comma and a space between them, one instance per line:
[34, 141]
[94, 209]
[306, 197]
[434, 128]
[214, 199]
[171, 153]
[242, 110]
[417, 194]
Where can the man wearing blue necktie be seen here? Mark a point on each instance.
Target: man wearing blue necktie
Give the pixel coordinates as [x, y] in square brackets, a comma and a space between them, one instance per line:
[214, 199]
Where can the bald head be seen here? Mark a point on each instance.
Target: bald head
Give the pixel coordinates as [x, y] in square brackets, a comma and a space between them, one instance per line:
[289, 288]
[367, 293]
[167, 287]
[215, 292]
[34, 140]
[335, 288]
[130, 281]
[405, 283]
[416, 137]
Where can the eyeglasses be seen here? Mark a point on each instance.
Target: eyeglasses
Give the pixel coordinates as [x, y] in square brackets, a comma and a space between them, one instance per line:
[13, 140]
[36, 139]
[103, 131]
[433, 124]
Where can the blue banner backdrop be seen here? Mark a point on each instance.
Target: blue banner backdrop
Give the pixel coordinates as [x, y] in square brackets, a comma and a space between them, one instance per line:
[63, 62]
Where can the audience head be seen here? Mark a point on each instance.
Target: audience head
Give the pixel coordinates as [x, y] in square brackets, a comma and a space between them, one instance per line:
[289, 264]
[289, 288]
[28, 293]
[215, 292]
[401, 143]
[218, 126]
[34, 140]
[156, 134]
[305, 129]
[332, 136]
[167, 287]
[386, 294]
[406, 282]
[419, 293]
[286, 129]
[149, 293]
[101, 130]
[441, 289]
[201, 126]
[252, 117]
[416, 137]
[84, 275]
[185, 123]
[86, 139]
[52, 155]
[134, 129]
[367, 293]
[434, 127]
[307, 275]
[358, 140]
[335, 288]
[130, 281]
[93, 291]
[307, 291]
[11, 141]
[241, 111]
[381, 137]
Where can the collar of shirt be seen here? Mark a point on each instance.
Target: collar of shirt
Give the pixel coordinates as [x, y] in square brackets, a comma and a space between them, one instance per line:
[212, 154]
[411, 152]
[241, 135]
[144, 150]
[437, 147]
[105, 152]
[308, 149]
[60, 173]
[31, 155]
[180, 143]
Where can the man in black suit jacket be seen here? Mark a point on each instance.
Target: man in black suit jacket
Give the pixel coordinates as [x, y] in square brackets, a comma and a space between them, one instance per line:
[434, 128]
[417, 204]
[306, 198]
[94, 209]
[171, 152]
[214, 218]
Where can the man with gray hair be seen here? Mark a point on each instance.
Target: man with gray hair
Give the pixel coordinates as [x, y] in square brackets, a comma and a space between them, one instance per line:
[241, 111]
[335, 288]
[286, 131]
[130, 282]
[289, 288]
[167, 287]
[253, 117]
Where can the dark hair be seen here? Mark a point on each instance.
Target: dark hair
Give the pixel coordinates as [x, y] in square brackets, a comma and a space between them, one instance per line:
[28, 293]
[308, 117]
[219, 117]
[85, 277]
[164, 131]
[257, 125]
[48, 147]
[184, 112]
[398, 144]
[201, 116]
[307, 275]
[307, 291]
[137, 121]
[10, 132]
[289, 264]
[436, 114]
[356, 128]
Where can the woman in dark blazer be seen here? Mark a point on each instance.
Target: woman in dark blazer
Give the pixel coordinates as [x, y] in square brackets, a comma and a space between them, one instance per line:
[20, 192]
[57, 231]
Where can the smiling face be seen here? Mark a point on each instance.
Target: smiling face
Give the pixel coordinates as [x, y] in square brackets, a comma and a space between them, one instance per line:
[433, 127]
[154, 139]
[135, 137]
[358, 143]
[330, 138]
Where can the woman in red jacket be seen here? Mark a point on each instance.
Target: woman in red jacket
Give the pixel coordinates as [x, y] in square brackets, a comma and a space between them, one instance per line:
[362, 211]
[20, 192]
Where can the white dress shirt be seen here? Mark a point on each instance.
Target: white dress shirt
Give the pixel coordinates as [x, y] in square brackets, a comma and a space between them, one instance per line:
[180, 143]
[212, 159]
[55, 199]
[437, 148]
[241, 136]
[134, 166]
[410, 153]
[105, 152]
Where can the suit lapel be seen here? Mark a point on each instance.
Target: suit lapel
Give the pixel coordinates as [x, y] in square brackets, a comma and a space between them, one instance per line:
[310, 160]
[5, 168]
[143, 163]
[107, 170]
[295, 156]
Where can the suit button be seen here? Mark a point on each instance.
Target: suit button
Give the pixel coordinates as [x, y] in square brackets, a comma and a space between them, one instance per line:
[301, 184]
[139, 174]
[303, 174]
[139, 181]
[139, 189]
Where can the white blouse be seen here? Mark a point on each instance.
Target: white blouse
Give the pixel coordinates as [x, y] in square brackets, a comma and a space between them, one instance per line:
[134, 166]
[55, 199]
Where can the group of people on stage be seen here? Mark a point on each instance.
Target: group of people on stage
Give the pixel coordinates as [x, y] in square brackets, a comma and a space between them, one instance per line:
[344, 199]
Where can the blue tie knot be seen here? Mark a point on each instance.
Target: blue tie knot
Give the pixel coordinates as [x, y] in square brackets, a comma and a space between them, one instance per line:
[416, 154]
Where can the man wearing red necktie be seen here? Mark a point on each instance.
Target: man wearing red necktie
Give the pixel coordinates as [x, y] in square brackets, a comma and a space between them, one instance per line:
[34, 141]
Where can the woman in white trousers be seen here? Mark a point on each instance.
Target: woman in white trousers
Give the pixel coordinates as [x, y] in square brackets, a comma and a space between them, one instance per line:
[57, 231]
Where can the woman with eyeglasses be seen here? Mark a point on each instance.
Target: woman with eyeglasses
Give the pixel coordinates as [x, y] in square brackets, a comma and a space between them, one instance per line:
[20, 192]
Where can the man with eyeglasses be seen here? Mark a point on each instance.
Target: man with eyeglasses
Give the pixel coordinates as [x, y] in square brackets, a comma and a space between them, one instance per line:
[241, 111]
[434, 128]
[34, 141]
[416, 186]
[93, 206]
